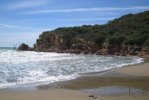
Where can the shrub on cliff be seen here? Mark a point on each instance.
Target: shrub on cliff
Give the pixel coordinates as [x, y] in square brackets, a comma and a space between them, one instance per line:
[116, 40]
[131, 30]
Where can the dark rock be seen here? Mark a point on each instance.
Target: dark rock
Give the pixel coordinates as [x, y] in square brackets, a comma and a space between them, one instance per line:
[23, 46]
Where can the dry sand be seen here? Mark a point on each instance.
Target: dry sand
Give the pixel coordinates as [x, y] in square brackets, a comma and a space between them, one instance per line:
[54, 94]
[124, 97]
[63, 94]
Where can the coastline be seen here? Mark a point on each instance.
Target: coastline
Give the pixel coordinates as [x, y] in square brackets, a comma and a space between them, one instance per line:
[132, 77]
[135, 70]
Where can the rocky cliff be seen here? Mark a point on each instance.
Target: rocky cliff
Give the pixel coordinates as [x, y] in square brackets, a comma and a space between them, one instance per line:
[128, 34]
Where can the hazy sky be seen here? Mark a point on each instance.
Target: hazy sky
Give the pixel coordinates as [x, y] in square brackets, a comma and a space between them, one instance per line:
[23, 20]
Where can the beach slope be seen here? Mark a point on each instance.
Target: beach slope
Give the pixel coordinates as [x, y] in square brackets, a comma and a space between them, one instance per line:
[64, 94]
[53, 94]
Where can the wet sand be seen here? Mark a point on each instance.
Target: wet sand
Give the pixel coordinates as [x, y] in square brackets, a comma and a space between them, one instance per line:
[140, 71]
[135, 70]
[132, 83]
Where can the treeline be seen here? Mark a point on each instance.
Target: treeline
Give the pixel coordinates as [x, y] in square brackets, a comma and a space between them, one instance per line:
[128, 32]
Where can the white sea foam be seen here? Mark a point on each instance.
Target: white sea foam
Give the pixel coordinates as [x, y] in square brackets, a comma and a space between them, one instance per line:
[28, 67]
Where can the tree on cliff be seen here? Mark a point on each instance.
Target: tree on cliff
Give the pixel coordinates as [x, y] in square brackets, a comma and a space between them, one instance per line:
[129, 30]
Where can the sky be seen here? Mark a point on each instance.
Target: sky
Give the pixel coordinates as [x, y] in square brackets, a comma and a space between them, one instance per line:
[22, 21]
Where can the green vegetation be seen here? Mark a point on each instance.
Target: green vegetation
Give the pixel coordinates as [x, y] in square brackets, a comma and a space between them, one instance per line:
[127, 31]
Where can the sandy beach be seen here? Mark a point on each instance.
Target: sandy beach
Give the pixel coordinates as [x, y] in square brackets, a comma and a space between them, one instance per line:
[133, 77]
[64, 95]
[135, 70]
[53, 94]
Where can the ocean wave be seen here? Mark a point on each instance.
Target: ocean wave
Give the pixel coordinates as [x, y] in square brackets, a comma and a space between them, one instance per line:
[29, 67]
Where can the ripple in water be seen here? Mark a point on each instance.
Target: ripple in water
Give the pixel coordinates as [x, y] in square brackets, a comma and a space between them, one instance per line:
[28, 67]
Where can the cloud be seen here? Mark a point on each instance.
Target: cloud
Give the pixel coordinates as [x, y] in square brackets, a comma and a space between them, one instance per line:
[7, 26]
[26, 4]
[87, 10]
[89, 19]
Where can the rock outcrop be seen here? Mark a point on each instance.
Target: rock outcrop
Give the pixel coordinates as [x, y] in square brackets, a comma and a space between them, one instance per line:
[23, 46]
[127, 35]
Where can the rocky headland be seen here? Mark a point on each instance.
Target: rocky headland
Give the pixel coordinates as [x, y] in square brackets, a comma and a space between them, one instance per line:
[127, 35]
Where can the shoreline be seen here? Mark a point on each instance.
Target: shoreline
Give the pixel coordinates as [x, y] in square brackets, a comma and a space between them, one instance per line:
[116, 79]
[141, 69]
[32, 86]
[74, 76]
[112, 74]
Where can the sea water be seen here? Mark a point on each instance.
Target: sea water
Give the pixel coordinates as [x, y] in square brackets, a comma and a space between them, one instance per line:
[20, 68]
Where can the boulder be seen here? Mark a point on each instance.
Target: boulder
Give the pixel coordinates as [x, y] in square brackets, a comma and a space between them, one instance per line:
[23, 47]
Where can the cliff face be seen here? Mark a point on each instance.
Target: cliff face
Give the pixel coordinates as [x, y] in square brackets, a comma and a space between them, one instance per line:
[128, 34]
[49, 41]
[55, 43]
